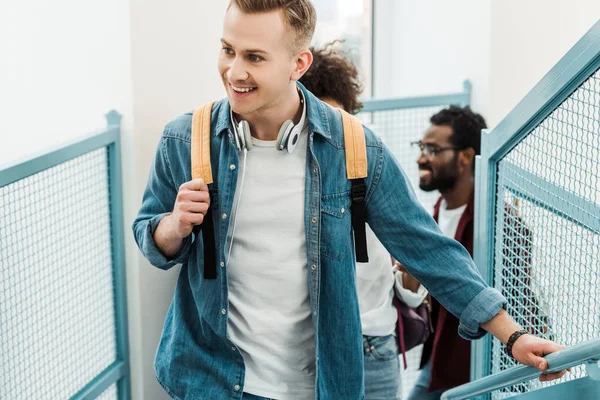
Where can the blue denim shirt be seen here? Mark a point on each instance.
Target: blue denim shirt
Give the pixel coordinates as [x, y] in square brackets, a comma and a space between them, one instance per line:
[196, 360]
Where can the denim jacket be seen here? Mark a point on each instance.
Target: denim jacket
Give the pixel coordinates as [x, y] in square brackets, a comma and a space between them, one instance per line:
[196, 360]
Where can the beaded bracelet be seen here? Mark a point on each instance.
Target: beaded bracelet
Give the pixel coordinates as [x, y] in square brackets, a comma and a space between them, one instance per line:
[512, 339]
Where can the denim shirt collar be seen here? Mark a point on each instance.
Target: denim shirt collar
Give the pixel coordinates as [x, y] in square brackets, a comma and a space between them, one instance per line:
[318, 118]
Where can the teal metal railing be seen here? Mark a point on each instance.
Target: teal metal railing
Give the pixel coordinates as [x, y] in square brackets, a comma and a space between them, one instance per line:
[537, 225]
[63, 308]
[587, 353]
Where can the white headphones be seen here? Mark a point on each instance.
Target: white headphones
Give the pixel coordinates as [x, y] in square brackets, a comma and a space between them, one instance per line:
[287, 138]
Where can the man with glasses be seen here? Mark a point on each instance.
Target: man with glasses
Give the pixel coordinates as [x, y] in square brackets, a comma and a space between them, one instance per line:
[447, 164]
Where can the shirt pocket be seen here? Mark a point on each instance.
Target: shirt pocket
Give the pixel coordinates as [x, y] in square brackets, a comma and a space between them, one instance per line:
[336, 226]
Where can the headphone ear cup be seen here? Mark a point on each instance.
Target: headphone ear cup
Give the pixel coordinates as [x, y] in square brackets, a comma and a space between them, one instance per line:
[284, 134]
[245, 134]
[293, 139]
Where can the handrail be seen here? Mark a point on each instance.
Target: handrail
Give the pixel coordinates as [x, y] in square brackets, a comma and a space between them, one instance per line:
[562, 359]
[459, 99]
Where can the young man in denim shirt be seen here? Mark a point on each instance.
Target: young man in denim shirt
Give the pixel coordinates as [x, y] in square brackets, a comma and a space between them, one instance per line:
[281, 319]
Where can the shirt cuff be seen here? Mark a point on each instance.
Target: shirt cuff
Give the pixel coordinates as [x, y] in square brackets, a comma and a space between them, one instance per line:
[409, 297]
[152, 252]
[485, 306]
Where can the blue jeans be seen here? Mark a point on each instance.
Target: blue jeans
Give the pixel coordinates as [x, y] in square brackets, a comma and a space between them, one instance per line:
[382, 368]
[420, 392]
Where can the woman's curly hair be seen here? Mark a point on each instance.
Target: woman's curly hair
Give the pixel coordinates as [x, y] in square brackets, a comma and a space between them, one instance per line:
[332, 75]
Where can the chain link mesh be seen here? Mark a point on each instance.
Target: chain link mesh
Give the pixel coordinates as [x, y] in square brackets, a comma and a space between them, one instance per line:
[56, 280]
[547, 263]
[109, 394]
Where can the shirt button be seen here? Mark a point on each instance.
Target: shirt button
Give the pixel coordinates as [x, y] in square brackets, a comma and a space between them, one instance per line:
[223, 311]
[237, 388]
[232, 167]
[315, 170]
[222, 264]
[233, 349]
[223, 216]
[314, 220]
[315, 313]
[343, 210]
[313, 267]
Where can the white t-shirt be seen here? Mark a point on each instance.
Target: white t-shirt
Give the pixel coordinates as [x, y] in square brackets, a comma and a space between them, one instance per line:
[448, 219]
[269, 306]
[375, 289]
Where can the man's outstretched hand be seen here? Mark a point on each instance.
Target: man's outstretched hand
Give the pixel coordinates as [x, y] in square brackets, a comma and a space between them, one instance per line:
[529, 350]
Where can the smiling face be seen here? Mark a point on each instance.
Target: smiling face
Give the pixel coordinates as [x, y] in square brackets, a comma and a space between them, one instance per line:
[257, 63]
[441, 170]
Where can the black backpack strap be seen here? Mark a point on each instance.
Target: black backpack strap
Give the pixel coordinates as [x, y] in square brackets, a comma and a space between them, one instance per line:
[208, 239]
[358, 193]
[356, 171]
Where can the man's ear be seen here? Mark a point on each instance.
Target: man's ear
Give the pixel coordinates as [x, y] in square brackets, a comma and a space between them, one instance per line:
[302, 62]
[467, 157]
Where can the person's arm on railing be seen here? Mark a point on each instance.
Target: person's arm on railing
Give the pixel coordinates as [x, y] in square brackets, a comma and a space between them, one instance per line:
[527, 349]
[442, 264]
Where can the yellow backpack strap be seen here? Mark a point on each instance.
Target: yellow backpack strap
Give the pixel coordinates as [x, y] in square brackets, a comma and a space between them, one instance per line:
[356, 147]
[200, 150]
[201, 143]
[357, 171]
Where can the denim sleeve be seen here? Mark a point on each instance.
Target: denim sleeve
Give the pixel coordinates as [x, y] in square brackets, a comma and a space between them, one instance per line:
[440, 263]
[158, 201]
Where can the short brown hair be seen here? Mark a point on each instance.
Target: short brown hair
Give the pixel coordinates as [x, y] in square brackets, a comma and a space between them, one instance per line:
[300, 16]
[332, 75]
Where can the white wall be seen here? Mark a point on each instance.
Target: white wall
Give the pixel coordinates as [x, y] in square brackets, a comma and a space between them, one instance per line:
[63, 65]
[431, 47]
[174, 49]
[527, 40]
[504, 47]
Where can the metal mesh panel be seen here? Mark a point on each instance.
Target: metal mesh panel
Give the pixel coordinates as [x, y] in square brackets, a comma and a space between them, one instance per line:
[398, 128]
[109, 394]
[547, 241]
[56, 280]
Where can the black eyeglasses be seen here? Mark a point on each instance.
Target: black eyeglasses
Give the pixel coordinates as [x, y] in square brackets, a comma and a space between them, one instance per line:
[430, 150]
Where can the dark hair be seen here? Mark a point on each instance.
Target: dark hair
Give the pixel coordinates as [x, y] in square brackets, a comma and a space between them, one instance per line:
[466, 126]
[333, 75]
